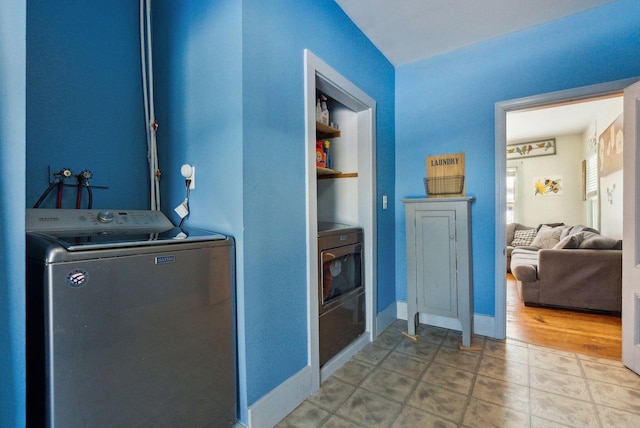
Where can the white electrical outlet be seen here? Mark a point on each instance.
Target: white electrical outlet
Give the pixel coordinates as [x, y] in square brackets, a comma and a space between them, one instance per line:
[189, 173]
[192, 185]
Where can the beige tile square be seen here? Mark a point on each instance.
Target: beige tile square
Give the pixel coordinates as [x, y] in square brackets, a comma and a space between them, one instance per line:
[611, 418]
[537, 422]
[305, 415]
[453, 339]
[398, 326]
[372, 354]
[439, 401]
[502, 393]
[431, 334]
[605, 361]
[616, 396]
[561, 363]
[332, 393]
[389, 384]
[404, 364]
[565, 410]
[481, 414]
[506, 370]
[412, 417]
[558, 383]
[607, 373]
[418, 348]
[353, 371]
[507, 351]
[369, 409]
[389, 340]
[449, 377]
[336, 421]
[465, 360]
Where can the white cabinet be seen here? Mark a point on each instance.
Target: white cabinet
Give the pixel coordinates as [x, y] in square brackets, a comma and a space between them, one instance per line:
[439, 282]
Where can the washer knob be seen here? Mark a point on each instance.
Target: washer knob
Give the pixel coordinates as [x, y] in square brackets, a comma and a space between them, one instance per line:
[105, 216]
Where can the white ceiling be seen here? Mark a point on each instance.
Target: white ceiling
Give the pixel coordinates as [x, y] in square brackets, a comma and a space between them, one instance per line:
[550, 122]
[406, 31]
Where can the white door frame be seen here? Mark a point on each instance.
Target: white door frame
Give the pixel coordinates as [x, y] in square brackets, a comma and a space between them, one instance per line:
[630, 249]
[338, 87]
[501, 110]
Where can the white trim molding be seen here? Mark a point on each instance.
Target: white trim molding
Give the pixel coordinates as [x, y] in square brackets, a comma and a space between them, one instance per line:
[483, 325]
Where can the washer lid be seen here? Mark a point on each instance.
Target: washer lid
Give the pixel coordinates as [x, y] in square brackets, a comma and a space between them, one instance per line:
[74, 241]
[81, 230]
[94, 221]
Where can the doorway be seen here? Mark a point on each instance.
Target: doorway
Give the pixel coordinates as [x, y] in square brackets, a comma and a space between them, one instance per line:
[501, 110]
[570, 134]
[351, 198]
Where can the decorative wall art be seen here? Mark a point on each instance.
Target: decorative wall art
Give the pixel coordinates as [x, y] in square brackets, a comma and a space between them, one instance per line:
[610, 148]
[610, 193]
[534, 148]
[547, 185]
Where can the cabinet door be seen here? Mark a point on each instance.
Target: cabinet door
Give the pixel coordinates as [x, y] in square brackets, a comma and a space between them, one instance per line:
[436, 262]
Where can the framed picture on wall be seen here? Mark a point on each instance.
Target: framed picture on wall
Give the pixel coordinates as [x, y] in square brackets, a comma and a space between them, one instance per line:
[547, 185]
[532, 149]
[610, 148]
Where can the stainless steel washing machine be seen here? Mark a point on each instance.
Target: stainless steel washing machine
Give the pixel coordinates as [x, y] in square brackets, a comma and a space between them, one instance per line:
[130, 321]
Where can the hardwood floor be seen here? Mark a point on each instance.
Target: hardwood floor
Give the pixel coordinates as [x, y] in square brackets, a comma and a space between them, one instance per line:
[590, 334]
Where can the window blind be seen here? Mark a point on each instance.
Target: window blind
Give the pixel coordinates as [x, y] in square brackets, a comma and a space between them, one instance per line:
[592, 176]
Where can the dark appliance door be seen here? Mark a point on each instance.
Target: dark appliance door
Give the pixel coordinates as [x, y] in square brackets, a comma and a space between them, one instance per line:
[341, 299]
[340, 275]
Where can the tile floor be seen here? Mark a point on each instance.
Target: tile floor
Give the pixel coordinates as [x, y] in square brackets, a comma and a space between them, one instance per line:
[397, 382]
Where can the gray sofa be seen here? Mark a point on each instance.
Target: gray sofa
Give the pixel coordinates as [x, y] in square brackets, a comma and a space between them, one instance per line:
[582, 270]
[511, 232]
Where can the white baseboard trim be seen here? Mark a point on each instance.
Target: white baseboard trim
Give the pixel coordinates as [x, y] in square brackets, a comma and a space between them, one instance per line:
[385, 318]
[274, 406]
[483, 325]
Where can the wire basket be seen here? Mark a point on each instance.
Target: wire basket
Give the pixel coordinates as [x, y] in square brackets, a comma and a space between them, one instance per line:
[449, 185]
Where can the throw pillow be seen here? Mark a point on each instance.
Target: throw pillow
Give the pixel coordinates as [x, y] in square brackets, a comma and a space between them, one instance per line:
[568, 242]
[523, 237]
[540, 226]
[547, 237]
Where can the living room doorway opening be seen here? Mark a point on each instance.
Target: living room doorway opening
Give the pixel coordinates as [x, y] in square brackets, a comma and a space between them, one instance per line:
[586, 213]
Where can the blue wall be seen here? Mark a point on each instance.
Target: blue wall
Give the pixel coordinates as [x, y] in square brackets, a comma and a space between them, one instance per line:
[230, 87]
[229, 100]
[84, 100]
[446, 104]
[12, 166]
[274, 129]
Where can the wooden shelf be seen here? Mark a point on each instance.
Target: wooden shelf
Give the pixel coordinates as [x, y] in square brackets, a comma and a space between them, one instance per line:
[326, 173]
[325, 131]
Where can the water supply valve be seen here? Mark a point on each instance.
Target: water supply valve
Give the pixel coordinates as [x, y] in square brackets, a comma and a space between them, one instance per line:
[85, 175]
[64, 173]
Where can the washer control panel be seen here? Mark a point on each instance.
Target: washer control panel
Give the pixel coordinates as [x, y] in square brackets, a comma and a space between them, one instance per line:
[65, 220]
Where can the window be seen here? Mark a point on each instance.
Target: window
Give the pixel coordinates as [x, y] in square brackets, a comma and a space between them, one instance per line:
[591, 192]
[591, 179]
[512, 175]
